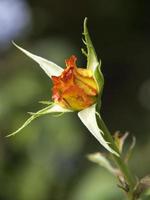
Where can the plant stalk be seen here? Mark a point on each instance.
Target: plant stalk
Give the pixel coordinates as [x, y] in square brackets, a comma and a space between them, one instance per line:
[128, 176]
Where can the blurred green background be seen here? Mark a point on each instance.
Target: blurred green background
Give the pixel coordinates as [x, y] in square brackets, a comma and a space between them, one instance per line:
[47, 160]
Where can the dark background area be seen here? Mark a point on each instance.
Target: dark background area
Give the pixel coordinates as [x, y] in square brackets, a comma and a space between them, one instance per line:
[46, 161]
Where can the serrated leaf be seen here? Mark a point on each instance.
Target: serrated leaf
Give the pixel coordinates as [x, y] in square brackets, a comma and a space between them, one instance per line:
[53, 108]
[50, 68]
[101, 160]
[88, 118]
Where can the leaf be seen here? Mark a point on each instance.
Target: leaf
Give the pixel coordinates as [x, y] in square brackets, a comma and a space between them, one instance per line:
[50, 68]
[146, 181]
[120, 140]
[92, 61]
[88, 118]
[130, 150]
[142, 186]
[53, 108]
[101, 160]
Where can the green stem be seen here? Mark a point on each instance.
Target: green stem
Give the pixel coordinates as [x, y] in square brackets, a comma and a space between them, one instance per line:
[130, 179]
[130, 196]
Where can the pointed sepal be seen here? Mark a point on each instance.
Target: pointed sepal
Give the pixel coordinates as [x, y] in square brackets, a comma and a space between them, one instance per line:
[88, 118]
[92, 61]
[52, 108]
[50, 68]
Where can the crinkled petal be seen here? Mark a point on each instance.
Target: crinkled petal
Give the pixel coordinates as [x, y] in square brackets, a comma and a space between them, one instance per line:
[88, 118]
[52, 108]
[50, 68]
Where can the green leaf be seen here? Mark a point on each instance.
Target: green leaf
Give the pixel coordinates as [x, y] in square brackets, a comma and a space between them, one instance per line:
[130, 150]
[52, 108]
[88, 118]
[92, 61]
[101, 160]
[50, 68]
[120, 140]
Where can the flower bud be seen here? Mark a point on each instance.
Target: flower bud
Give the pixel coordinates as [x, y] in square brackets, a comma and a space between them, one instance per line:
[75, 88]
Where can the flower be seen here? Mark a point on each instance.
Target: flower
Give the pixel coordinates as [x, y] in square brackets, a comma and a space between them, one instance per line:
[74, 89]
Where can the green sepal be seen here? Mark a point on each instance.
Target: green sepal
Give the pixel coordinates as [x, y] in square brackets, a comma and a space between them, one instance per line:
[51, 108]
[92, 120]
[92, 61]
[45, 102]
[50, 68]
